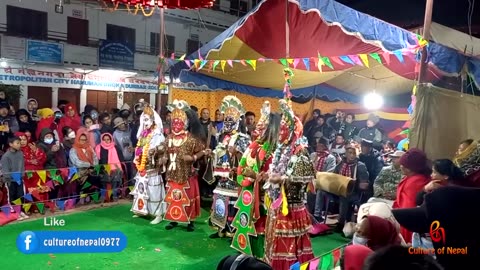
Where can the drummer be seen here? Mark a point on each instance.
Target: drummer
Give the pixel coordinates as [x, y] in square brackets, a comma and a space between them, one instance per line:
[350, 167]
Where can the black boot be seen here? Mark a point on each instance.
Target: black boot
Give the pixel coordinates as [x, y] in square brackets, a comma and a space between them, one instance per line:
[171, 225]
[190, 227]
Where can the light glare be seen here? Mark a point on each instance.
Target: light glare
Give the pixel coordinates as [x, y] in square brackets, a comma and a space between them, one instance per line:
[373, 101]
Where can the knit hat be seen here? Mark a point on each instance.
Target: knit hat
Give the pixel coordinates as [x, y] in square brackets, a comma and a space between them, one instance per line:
[375, 119]
[242, 262]
[415, 160]
[45, 112]
[118, 121]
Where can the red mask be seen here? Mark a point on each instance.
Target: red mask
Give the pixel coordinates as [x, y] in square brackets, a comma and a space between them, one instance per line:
[178, 126]
[284, 132]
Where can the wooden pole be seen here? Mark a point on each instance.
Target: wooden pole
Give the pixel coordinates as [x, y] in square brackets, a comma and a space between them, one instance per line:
[426, 35]
[160, 70]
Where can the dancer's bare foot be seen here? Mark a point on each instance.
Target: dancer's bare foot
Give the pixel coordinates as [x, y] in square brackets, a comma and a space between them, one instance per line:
[156, 220]
[135, 216]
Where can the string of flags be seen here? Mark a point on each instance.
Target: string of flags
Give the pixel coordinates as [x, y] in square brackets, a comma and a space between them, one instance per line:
[317, 63]
[326, 261]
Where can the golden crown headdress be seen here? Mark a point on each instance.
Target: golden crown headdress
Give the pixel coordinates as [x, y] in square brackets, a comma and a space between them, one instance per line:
[147, 109]
[232, 107]
[178, 109]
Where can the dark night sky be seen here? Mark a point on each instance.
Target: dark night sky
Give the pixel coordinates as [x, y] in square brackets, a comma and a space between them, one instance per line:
[410, 13]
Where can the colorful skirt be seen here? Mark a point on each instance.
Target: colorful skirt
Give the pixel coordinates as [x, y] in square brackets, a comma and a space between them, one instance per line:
[287, 239]
[223, 210]
[193, 194]
[148, 193]
[183, 201]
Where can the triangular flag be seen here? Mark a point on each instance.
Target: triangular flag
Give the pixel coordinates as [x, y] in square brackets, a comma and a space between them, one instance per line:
[230, 63]
[327, 262]
[306, 62]
[295, 62]
[399, 55]
[71, 172]
[290, 61]
[40, 207]
[284, 62]
[222, 65]
[182, 57]
[347, 60]
[29, 174]
[215, 64]
[356, 59]
[253, 64]
[364, 59]
[188, 63]
[97, 169]
[327, 62]
[17, 201]
[17, 208]
[337, 60]
[49, 184]
[28, 196]
[336, 256]
[109, 193]
[83, 195]
[86, 185]
[199, 55]
[243, 62]
[60, 204]
[70, 204]
[376, 57]
[202, 64]
[65, 173]
[75, 177]
[95, 197]
[27, 206]
[295, 266]
[107, 168]
[304, 266]
[52, 172]
[42, 174]
[6, 210]
[17, 177]
[386, 56]
[314, 264]
[131, 188]
[58, 179]
[196, 62]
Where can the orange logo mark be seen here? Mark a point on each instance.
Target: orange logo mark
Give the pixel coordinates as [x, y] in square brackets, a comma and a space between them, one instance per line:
[437, 233]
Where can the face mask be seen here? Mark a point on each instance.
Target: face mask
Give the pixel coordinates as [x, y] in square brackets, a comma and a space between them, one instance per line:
[358, 240]
[48, 141]
[71, 135]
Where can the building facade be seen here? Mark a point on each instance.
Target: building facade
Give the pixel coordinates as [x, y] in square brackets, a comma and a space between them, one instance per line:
[91, 52]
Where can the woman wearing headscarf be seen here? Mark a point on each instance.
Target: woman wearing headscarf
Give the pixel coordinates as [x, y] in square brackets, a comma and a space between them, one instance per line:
[83, 157]
[353, 257]
[34, 159]
[376, 232]
[91, 130]
[108, 153]
[416, 170]
[25, 122]
[70, 119]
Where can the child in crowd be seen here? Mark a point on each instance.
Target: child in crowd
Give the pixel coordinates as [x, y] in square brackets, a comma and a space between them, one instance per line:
[12, 162]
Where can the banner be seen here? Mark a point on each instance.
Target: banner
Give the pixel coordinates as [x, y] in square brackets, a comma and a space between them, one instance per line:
[116, 55]
[63, 79]
[44, 52]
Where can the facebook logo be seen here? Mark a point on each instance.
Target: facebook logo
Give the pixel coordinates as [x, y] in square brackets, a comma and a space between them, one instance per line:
[27, 242]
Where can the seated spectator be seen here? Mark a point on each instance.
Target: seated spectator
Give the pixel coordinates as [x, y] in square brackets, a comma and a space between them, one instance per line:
[386, 183]
[354, 257]
[376, 232]
[400, 258]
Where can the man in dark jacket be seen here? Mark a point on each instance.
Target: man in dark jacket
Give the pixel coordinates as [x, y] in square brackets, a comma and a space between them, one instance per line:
[374, 163]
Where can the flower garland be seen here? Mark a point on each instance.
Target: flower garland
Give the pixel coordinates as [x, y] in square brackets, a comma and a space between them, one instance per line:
[141, 152]
[263, 155]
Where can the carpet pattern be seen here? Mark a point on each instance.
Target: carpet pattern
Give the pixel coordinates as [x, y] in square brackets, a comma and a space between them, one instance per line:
[148, 247]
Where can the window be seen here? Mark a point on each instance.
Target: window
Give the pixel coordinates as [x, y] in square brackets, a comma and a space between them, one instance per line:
[169, 44]
[121, 34]
[193, 46]
[27, 23]
[77, 31]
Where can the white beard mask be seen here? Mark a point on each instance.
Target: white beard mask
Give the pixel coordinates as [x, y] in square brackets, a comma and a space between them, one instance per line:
[147, 122]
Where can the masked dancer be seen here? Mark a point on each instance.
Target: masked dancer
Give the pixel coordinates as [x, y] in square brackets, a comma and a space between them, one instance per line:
[183, 147]
[251, 216]
[232, 144]
[288, 221]
[149, 191]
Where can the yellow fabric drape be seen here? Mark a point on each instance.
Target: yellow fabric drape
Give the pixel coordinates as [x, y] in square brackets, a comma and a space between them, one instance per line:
[442, 119]
[212, 99]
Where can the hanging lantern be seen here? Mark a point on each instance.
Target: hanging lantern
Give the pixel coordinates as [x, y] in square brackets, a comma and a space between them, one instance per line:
[172, 4]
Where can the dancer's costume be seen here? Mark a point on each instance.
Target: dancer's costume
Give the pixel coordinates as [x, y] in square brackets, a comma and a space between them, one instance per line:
[182, 149]
[252, 212]
[232, 144]
[469, 162]
[149, 191]
[288, 221]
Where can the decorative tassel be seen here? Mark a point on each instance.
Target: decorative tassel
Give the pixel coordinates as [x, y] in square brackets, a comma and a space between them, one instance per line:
[284, 202]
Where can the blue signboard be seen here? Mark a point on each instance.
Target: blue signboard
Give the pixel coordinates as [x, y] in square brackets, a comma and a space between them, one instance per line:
[116, 55]
[44, 52]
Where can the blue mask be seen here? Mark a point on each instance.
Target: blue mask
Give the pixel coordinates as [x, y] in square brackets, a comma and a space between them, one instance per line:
[358, 240]
[48, 141]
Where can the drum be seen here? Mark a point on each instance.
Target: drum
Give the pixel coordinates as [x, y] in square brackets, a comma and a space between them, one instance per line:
[334, 183]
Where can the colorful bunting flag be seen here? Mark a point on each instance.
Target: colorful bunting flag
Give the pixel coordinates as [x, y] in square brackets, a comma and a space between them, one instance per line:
[27, 206]
[86, 185]
[29, 174]
[17, 177]
[6, 210]
[60, 204]
[253, 64]
[313, 265]
[364, 59]
[327, 62]
[295, 266]
[306, 62]
[399, 56]
[28, 196]
[95, 197]
[40, 207]
[283, 62]
[304, 266]
[72, 171]
[42, 174]
[327, 262]
[17, 201]
[356, 60]
[347, 60]
[376, 57]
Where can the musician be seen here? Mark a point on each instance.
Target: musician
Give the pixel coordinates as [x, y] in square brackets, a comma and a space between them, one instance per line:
[374, 163]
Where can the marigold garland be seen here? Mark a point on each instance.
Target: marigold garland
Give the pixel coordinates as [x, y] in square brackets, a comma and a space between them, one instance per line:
[144, 146]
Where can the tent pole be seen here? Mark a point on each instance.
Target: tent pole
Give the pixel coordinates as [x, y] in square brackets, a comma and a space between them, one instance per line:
[160, 68]
[426, 35]
[287, 32]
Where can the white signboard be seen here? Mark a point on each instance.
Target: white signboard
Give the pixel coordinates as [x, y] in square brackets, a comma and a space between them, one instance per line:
[77, 13]
[51, 78]
[13, 48]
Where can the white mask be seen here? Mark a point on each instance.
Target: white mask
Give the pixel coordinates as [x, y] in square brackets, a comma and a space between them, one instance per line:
[147, 122]
[358, 240]
[71, 135]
